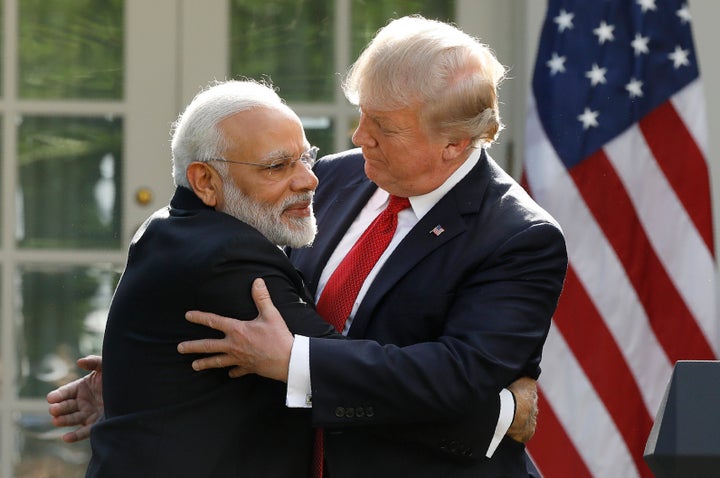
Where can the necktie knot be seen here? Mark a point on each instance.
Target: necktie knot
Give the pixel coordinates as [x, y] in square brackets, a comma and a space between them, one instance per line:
[397, 204]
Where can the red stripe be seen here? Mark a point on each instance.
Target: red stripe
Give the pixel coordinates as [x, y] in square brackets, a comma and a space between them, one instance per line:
[667, 312]
[604, 365]
[552, 450]
[684, 165]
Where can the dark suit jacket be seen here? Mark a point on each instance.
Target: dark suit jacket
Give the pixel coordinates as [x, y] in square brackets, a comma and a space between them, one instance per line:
[452, 318]
[162, 418]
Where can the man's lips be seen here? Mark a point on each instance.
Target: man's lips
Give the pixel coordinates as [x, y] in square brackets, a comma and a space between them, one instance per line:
[299, 209]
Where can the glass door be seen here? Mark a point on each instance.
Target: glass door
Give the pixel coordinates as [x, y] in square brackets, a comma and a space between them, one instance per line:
[87, 92]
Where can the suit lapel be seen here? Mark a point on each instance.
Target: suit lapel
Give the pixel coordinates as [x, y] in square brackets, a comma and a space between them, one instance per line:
[464, 198]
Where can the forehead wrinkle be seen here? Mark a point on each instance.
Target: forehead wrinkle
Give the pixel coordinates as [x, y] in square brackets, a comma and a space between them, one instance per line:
[283, 153]
[390, 118]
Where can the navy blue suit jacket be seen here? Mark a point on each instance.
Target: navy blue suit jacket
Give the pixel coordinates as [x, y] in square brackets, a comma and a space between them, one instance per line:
[451, 319]
[163, 419]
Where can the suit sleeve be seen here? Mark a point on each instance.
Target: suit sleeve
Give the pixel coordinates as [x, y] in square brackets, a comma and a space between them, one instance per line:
[229, 283]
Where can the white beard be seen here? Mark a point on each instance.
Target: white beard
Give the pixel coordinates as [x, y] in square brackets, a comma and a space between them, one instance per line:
[293, 231]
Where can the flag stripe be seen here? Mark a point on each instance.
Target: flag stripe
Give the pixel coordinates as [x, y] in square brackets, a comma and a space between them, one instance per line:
[669, 316]
[584, 418]
[690, 105]
[669, 228]
[551, 449]
[683, 164]
[609, 374]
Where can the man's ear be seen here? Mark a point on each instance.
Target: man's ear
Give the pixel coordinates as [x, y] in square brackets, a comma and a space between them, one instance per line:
[205, 182]
[455, 148]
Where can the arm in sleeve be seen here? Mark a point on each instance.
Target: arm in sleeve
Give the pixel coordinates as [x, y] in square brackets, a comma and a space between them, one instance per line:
[493, 333]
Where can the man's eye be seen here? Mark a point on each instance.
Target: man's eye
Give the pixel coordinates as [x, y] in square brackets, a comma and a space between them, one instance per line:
[278, 165]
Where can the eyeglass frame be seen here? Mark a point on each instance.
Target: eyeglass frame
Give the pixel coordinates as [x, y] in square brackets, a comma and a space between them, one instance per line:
[307, 158]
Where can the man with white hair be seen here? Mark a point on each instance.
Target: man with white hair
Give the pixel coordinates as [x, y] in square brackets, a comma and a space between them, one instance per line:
[242, 167]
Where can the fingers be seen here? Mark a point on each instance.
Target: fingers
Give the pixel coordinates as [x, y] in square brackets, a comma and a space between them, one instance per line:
[237, 372]
[202, 346]
[90, 363]
[54, 397]
[76, 435]
[262, 299]
[216, 361]
[72, 418]
[259, 292]
[60, 408]
[214, 321]
[69, 390]
[524, 385]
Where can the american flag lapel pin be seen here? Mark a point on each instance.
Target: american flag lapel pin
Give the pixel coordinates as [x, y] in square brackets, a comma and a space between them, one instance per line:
[437, 230]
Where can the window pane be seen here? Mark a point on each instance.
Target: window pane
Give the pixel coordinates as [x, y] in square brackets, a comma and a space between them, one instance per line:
[319, 132]
[368, 16]
[290, 41]
[61, 312]
[70, 182]
[71, 49]
[43, 454]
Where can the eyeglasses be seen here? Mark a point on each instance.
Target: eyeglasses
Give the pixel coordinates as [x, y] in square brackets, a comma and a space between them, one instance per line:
[278, 168]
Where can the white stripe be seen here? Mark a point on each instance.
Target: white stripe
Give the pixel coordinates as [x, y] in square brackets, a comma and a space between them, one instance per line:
[597, 266]
[581, 413]
[690, 105]
[669, 228]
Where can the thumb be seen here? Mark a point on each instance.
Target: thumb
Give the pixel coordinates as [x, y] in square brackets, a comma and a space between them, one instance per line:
[263, 302]
[90, 363]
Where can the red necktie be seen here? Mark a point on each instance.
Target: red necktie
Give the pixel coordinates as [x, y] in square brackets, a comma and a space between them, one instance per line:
[342, 288]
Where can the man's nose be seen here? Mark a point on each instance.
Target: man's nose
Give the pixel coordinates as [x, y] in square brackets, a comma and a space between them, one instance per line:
[303, 178]
[361, 136]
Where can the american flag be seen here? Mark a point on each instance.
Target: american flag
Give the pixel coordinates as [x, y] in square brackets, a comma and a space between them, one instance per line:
[616, 150]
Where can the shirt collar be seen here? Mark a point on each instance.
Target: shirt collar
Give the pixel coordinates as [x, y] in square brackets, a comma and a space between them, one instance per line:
[422, 204]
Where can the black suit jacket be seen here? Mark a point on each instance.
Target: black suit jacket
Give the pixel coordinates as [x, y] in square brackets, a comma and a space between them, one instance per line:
[452, 318]
[163, 418]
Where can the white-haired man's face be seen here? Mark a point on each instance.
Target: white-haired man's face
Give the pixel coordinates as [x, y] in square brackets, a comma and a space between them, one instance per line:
[275, 201]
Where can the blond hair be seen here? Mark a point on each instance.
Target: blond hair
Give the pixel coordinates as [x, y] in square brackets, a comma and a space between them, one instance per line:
[451, 76]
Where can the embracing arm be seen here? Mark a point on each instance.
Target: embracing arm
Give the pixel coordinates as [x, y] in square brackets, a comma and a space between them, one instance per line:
[263, 346]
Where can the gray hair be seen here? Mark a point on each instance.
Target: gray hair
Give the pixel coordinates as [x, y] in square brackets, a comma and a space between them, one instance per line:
[196, 135]
[451, 76]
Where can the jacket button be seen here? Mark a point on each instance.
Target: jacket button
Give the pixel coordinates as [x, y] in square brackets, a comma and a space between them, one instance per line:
[359, 412]
[369, 412]
[349, 412]
[339, 412]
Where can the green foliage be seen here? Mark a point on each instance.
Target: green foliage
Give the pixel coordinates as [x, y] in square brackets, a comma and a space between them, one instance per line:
[70, 182]
[71, 50]
[368, 16]
[288, 41]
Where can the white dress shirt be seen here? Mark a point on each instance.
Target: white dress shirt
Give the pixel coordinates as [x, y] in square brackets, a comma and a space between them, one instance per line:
[299, 390]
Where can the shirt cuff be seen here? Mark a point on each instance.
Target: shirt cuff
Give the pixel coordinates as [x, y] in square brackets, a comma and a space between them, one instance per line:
[299, 390]
[507, 415]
